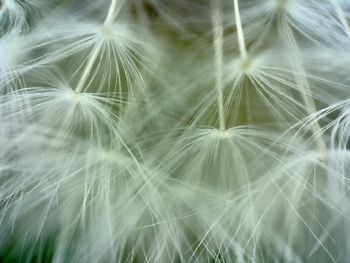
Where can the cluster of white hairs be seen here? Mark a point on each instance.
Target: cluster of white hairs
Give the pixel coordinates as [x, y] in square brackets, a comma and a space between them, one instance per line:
[174, 131]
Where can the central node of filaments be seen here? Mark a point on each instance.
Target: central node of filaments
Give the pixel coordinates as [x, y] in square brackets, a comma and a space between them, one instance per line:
[222, 134]
[106, 32]
[246, 65]
[73, 96]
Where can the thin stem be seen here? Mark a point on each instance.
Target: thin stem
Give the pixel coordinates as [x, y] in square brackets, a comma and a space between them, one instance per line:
[302, 82]
[218, 53]
[96, 49]
[241, 40]
[91, 61]
[111, 12]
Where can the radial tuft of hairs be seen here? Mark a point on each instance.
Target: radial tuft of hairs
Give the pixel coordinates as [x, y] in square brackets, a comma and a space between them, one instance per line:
[174, 131]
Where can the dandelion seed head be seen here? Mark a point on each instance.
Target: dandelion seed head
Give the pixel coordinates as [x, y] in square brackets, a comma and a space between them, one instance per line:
[140, 131]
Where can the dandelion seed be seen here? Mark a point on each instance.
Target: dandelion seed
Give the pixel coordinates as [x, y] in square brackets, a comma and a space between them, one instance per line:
[110, 52]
